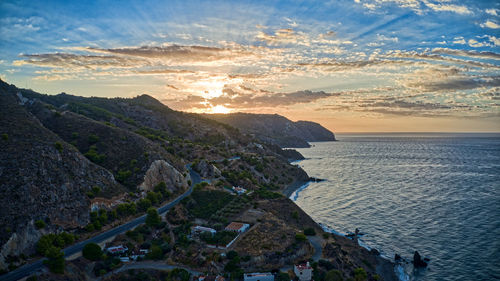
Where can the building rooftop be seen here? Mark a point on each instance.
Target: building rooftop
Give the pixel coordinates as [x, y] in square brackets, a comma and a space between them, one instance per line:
[235, 226]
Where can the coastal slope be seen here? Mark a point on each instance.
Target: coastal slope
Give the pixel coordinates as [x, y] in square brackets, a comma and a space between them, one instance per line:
[276, 129]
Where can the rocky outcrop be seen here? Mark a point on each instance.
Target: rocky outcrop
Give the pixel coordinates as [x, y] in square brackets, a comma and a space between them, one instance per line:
[161, 171]
[22, 241]
[417, 260]
[207, 170]
[276, 129]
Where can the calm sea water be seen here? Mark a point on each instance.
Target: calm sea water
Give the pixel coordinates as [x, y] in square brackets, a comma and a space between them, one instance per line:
[435, 193]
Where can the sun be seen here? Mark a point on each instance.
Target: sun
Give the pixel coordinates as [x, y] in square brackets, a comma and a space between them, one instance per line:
[219, 109]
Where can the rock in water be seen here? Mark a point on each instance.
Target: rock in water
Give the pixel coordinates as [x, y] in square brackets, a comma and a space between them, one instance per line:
[417, 260]
[397, 258]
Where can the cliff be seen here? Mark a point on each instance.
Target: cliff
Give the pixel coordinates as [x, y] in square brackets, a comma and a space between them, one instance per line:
[276, 129]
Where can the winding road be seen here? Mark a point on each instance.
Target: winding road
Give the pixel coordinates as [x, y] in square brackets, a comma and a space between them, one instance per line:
[31, 268]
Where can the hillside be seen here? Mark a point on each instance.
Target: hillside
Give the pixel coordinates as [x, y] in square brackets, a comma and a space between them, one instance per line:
[276, 129]
[63, 155]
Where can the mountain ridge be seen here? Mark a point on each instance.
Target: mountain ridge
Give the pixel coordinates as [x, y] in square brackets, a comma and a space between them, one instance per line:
[276, 129]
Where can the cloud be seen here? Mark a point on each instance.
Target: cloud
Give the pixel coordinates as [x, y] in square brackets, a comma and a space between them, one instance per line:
[419, 6]
[178, 53]
[459, 40]
[283, 36]
[446, 79]
[493, 12]
[490, 24]
[252, 99]
[467, 53]
[78, 61]
[448, 8]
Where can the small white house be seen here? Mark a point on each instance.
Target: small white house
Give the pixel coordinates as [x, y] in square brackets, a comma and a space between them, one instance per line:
[258, 276]
[239, 190]
[303, 271]
[237, 227]
[200, 229]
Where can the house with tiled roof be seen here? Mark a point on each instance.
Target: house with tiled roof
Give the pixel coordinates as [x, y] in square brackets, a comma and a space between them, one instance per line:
[237, 227]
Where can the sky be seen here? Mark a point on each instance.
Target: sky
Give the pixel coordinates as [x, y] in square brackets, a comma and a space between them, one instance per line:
[352, 66]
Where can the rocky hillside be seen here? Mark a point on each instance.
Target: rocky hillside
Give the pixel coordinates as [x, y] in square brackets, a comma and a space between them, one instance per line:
[276, 129]
[63, 155]
[41, 178]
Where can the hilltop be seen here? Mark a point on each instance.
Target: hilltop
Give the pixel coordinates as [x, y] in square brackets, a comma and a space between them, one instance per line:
[276, 129]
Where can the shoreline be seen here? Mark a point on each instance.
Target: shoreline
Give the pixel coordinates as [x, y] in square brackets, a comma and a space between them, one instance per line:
[386, 267]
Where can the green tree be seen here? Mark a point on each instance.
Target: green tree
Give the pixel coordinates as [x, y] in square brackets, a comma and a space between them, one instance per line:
[55, 260]
[44, 243]
[92, 252]
[156, 252]
[152, 219]
[334, 275]
[39, 224]
[144, 204]
[360, 274]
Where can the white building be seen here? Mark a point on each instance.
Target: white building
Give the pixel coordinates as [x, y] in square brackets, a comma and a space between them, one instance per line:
[117, 250]
[237, 227]
[200, 229]
[258, 276]
[239, 190]
[303, 271]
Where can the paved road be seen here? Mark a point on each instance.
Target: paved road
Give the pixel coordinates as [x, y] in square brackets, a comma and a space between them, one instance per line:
[316, 242]
[31, 268]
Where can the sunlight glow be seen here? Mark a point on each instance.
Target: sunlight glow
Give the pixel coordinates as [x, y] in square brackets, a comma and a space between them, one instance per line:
[219, 109]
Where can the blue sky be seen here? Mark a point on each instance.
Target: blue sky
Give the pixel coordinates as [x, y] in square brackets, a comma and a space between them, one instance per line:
[375, 65]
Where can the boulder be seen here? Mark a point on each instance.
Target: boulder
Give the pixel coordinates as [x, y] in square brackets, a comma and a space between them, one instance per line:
[207, 170]
[397, 258]
[161, 171]
[417, 260]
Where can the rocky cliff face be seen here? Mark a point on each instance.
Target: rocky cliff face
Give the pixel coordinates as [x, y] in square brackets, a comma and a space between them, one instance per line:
[41, 178]
[161, 171]
[276, 129]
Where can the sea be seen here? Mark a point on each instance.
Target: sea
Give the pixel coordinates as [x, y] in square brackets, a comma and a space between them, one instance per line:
[438, 194]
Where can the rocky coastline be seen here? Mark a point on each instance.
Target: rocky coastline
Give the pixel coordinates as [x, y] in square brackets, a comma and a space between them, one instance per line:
[385, 267]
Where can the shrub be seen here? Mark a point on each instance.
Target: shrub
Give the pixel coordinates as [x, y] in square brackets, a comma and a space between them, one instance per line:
[334, 275]
[360, 274]
[5, 136]
[96, 190]
[156, 253]
[123, 175]
[282, 276]
[74, 135]
[39, 224]
[58, 146]
[94, 156]
[93, 139]
[92, 252]
[309, 231]
[300, 237]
